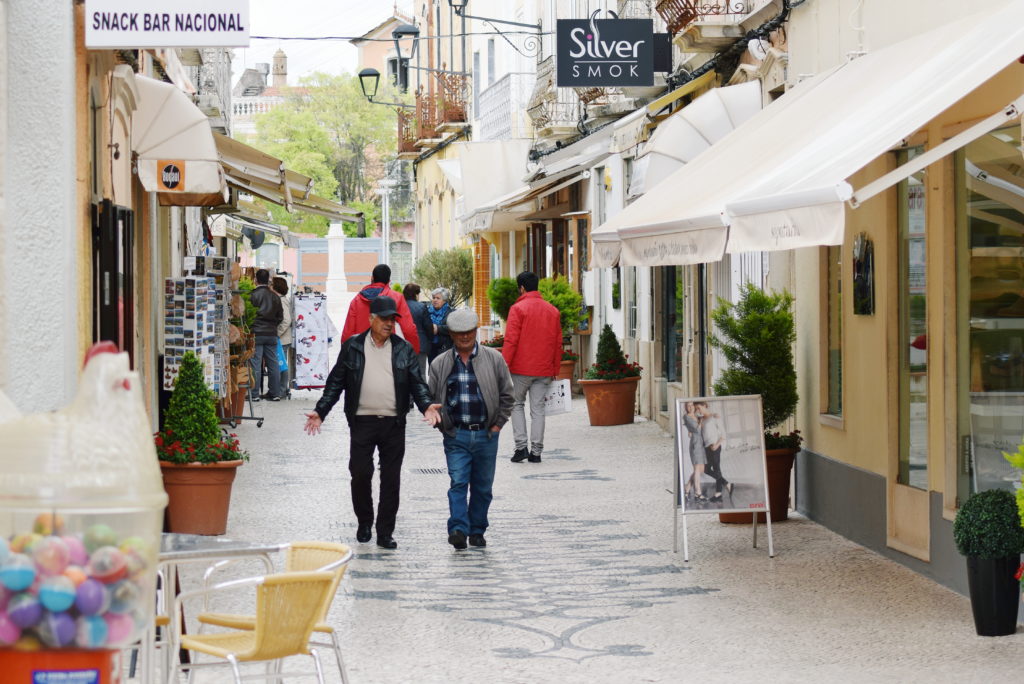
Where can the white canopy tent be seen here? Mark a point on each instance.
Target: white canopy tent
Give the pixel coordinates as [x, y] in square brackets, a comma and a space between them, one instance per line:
[779, 181]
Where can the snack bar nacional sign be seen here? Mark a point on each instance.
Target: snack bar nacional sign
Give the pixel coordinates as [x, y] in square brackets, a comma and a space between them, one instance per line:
[605, 52]
[166, 23]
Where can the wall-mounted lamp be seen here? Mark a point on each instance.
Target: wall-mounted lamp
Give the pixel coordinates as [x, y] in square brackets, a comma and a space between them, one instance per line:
[369, 80]
[402, 32]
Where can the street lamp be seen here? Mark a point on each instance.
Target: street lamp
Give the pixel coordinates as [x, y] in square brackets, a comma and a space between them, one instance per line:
[401, 32]
[369, 80]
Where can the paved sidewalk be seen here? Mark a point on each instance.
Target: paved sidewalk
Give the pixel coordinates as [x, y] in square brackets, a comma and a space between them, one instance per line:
[579, 584]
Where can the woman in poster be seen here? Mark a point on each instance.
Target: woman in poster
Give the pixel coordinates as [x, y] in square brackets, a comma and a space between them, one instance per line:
[714, 440]
[697, 455]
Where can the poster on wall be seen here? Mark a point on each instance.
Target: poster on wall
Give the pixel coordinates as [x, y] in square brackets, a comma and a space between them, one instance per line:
[720, 461]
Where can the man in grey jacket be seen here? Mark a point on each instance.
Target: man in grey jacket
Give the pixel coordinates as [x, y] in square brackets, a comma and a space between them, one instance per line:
[473, 386]
[269, 313]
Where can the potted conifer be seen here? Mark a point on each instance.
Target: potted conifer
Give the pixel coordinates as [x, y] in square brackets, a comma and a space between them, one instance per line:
[988, 532]
[197, 460]
[756, 337]
[609, 385]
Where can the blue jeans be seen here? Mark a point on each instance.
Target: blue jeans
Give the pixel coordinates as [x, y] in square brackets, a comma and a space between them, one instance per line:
[266, 351]
[471, 456]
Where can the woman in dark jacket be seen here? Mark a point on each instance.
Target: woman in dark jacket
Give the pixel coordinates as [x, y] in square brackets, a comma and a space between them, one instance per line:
[421, 317]
[441, 341]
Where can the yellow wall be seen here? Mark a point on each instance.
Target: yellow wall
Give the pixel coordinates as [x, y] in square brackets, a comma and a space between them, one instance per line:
[436, 225]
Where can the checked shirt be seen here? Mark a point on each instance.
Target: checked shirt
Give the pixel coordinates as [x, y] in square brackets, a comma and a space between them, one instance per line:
[465, 403]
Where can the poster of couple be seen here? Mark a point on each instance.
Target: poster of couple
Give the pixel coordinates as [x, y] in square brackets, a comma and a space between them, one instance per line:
[720, 448]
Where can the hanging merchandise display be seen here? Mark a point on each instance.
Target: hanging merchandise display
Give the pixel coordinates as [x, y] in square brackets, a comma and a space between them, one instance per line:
[313, 333]
[196, 319]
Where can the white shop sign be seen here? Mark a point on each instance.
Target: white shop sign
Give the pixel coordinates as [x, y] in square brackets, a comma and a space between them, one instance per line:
[166, 23]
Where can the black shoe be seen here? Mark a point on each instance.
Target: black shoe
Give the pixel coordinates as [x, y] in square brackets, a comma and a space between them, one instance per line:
[458, 539]
[520, 455]
[534, 458]
[386, 542]
[364, 533]
[477, 540]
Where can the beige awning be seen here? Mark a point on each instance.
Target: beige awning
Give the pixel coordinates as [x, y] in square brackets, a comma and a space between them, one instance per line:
[176, 155]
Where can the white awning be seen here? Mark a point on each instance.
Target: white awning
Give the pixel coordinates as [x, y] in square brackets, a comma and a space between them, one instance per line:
[452, 169]
[780, 180]
[693, 129]
[176, 153]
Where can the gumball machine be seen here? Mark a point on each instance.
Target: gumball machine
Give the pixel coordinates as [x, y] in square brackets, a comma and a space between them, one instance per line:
[81, 509]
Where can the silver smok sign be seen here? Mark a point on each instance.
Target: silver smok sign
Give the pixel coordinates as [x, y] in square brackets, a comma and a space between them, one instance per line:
[605, 52]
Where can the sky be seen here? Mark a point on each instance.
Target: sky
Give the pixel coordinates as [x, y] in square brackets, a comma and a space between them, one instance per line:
[310, 18]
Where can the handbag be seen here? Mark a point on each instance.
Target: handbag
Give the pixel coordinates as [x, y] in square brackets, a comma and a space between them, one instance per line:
[558, 398]
[282, 360]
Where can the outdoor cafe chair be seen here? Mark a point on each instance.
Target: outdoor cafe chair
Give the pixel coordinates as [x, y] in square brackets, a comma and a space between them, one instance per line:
[288, 607]
[304, 556]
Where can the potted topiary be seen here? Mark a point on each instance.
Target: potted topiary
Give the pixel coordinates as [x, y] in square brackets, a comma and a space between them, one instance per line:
[609, 385]
[988, 531]
[756, 337]
[197, 460]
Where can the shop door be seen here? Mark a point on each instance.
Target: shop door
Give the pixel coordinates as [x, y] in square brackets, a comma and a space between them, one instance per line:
[113, 278]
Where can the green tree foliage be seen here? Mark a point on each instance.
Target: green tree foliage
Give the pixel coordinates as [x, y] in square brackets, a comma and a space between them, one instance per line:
[988, 526]
[502, 293]
[568, 301]
[611, 363]
[450, 268]
[756, 336]
[192, 412]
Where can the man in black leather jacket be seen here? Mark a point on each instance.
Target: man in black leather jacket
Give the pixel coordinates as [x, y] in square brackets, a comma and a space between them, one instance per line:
[270, 313]
[379, 373]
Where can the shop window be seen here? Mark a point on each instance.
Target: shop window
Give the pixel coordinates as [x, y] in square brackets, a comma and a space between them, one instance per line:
[913, 328]
[632, 311]
[833, 333]
[113, 276]
[674, 317]
[990, 303]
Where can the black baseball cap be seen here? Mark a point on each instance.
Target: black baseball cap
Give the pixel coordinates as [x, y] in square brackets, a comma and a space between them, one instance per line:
[383, 306]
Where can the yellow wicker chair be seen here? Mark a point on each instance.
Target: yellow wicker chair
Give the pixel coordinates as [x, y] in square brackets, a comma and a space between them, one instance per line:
[302, 556]
[288, 606]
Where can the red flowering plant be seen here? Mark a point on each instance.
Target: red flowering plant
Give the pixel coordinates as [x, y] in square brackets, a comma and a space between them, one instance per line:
[777, 440]
[496, 341]
[192, 432]
[611, 363]
[569, 355]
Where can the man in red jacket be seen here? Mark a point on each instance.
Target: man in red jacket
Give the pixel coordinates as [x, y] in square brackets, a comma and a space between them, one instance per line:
[358, 318]
[533, 352]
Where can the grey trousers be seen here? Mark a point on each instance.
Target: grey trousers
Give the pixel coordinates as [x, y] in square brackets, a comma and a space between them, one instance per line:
[535, 387]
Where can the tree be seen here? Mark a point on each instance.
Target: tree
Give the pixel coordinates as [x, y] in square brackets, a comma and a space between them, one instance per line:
[557, 292]
[450, 268]
[502, 293]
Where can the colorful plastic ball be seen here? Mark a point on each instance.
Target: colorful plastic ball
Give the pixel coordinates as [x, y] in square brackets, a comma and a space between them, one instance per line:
[124, 596]
[24, 610]
[98, 536]
[48, 523]
[23, 543]
[75, 574]
[51, 555]
[76, 548]
[91, 631]
[120, 629]
[134, 562]
[5, 596]
[91, 597]
[9, 632]
[107, 564]
[56, 629]
[137, 544]
[17, 572]
[57, 594]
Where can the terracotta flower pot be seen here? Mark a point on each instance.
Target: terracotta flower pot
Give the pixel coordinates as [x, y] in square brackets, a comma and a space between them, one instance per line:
[610, 402]
[566, 369]
[780, 463]
[198, 495]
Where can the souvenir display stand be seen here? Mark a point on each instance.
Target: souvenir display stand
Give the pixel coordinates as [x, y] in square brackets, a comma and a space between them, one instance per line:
[81, 507]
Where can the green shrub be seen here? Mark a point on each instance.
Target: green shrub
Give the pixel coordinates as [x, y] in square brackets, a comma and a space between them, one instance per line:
[1017, 461]
[502, 293]
[988, 526]
[756, 337]
[450, 268]
[245, 288]
[611, 363]
[568, 301]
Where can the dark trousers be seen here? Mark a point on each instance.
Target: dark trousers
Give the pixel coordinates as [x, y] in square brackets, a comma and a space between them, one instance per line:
[387, 436]
[714, 468]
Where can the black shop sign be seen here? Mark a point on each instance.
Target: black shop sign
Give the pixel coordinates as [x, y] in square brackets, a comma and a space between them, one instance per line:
[605, 52]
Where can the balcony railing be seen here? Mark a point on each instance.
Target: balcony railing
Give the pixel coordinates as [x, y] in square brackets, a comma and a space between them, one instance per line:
[552, 107]
[678, 14]
[426, 115]
[406, 131]
[500, 115]
[451, 102]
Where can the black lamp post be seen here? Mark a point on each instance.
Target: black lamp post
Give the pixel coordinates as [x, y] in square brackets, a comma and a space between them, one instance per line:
[401, 32]
[369, 80]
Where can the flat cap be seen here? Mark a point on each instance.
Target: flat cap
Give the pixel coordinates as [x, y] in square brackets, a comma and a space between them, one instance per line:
[462, 320]
[383, 306]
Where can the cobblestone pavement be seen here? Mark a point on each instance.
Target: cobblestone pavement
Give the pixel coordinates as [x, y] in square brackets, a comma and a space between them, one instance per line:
[578, 582]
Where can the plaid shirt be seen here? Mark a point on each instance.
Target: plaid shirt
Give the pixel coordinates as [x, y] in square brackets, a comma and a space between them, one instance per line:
[465, 403]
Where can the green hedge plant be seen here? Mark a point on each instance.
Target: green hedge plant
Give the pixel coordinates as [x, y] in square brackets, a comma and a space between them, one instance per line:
[568, 301]
[502, 293]
[988, 526]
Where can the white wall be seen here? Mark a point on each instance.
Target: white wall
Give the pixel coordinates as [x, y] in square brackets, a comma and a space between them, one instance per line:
[38, 345]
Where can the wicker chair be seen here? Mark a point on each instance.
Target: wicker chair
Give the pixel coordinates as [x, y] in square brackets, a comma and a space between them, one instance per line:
[303, 556]
[288, 607]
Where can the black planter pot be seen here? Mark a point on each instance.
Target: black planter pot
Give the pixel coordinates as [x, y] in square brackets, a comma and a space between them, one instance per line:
[995, 594]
